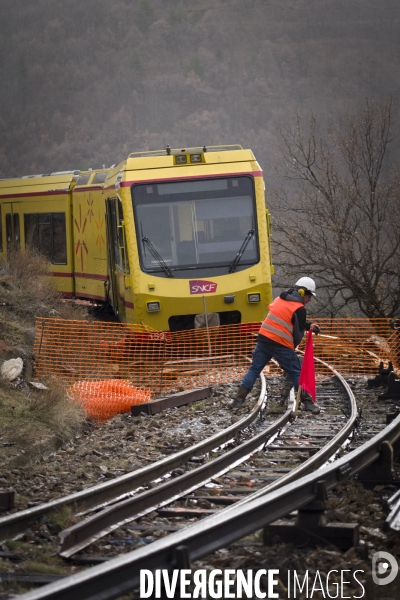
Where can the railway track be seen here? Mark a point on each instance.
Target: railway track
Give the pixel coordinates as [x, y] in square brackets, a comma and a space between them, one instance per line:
[264, 450]
[221, 471]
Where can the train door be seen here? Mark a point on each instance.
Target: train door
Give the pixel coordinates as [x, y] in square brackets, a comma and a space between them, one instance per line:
[13, 216]
[114, 257]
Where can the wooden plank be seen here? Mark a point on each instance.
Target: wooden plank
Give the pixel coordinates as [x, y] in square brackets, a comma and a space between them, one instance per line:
[6, 499]
[342, 535]
[179, 399]
[215, 499]
[185, 512]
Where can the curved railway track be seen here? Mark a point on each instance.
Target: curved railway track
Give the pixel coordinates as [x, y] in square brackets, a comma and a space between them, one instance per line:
[81, 535]
[250, 465]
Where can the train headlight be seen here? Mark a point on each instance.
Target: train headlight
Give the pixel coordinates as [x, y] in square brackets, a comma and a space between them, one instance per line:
[181, 159]
[253, 297]
[153, 306]
[195, 158]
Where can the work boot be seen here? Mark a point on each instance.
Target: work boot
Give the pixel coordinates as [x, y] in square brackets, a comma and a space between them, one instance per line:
[240, 397]
[308, 404]
[285, 391]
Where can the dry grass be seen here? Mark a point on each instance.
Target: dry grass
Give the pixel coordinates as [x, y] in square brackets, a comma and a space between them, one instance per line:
[27, 292]
[62, 518]
[29, 417]
[39, 560]
[46, 568]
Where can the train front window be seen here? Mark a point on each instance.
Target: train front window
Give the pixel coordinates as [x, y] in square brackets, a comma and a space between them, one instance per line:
[194, 224]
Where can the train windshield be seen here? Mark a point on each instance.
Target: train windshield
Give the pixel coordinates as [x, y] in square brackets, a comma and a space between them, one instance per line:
[196, 224]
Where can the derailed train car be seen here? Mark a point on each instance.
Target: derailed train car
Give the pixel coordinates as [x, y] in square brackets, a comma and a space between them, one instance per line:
[164, 237]
[61, 215]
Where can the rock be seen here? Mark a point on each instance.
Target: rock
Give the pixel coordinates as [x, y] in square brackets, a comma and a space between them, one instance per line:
[373, 532]
[11, 369]
[205, 420]
[38, 385]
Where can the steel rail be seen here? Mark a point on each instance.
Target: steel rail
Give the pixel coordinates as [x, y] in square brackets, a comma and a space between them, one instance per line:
[320, 457]
[102, 493]
[82, 534]
[122, 574]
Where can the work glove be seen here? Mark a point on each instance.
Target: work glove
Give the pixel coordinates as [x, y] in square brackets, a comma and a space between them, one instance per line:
[395, 324]
[315, 328]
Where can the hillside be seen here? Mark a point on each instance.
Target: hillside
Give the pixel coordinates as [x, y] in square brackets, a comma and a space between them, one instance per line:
[32, 418]
[84, 84]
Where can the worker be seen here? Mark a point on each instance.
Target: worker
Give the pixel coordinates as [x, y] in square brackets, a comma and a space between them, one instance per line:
[280, 333]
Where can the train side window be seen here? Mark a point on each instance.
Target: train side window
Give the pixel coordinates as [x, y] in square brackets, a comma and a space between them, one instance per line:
[59, 239]
[31, 231]
[99, 178]
[44, 235]
[83, 179]
[12, 231]
[47, 233]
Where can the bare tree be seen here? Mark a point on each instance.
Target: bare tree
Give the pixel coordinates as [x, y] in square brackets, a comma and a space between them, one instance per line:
[337, 212]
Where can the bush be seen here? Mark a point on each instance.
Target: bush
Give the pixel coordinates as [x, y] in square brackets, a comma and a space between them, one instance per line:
[26, 290]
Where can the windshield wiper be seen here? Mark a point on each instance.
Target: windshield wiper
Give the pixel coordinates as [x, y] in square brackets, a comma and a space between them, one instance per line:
[157, 256]
[239, 255]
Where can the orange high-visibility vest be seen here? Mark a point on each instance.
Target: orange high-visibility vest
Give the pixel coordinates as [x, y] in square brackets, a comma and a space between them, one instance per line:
[278, 325]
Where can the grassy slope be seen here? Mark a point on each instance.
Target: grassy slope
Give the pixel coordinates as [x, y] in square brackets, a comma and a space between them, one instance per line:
[30, 419]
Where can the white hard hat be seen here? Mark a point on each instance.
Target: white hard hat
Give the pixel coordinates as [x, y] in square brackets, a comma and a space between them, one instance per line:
[307, 283]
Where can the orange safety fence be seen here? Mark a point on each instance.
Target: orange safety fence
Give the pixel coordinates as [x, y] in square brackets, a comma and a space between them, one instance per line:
[356, 346]
[102, 400]
[166, 362]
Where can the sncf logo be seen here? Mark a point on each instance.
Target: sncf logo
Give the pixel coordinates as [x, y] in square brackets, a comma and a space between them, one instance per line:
[200, 286]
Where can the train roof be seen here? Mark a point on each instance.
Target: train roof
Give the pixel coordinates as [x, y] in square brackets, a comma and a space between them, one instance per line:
[170, 157]
[174, 151]
[178, 157]
[59, 181]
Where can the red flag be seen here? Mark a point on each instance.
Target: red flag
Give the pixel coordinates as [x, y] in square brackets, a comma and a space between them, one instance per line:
[307, 374]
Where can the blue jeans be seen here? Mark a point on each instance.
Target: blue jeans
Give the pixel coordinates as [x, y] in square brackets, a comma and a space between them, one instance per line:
[262, 354]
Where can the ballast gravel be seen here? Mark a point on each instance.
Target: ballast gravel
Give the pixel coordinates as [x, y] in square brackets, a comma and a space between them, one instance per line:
[127, 443]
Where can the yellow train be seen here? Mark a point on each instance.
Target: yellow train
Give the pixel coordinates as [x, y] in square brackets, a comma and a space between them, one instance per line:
[164, 237]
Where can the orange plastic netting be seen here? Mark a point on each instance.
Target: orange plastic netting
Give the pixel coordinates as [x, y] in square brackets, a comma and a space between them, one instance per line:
[164, 362]
[103, 400]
